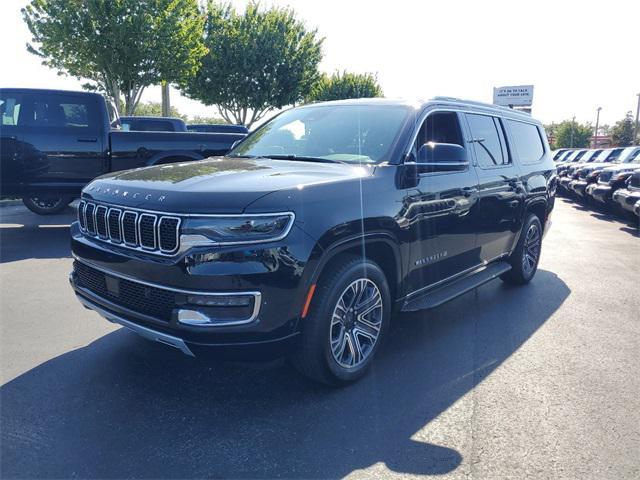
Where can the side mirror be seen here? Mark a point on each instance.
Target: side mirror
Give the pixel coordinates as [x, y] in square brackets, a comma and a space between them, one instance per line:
[442, 157]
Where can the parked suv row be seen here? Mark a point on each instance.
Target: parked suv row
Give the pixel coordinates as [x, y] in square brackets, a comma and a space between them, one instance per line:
[606, 177]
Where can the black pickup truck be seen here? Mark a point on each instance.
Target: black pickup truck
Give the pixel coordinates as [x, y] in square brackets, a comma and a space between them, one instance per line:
[54, 142]
[316, 227]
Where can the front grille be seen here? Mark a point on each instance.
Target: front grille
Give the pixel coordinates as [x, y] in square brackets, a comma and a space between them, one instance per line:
[144, 299]
[635, 181]
[151, 232]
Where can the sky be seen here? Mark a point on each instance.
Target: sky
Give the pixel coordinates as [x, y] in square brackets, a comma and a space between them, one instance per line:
[579, 55]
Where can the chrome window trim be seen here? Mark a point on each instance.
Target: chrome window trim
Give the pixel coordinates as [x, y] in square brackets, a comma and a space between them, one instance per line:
[257, 296]
[139, 228]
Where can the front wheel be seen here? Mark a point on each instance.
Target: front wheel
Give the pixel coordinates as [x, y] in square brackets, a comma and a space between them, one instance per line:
[524, 259]
[47, 205]
[348, 319]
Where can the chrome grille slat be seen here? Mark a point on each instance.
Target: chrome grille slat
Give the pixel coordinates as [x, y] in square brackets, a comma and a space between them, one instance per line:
[137, 230]
[113, 223]
[101, 221]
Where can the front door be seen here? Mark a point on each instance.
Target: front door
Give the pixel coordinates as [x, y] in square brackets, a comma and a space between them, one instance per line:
[440, 210]
[500, 193]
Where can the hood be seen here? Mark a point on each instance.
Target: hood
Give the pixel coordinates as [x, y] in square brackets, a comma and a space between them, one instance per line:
[214, 185]
[622, 166]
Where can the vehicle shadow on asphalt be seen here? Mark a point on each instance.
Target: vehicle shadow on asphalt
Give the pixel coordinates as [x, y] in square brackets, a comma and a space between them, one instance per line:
[25, 235]
[123, 407]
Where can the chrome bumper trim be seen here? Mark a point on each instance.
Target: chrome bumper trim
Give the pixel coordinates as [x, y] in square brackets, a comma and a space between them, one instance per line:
[144, 332]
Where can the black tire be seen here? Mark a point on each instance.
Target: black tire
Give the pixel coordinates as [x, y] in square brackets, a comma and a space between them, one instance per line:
[47, 205]
[525, 257]
[314, 356]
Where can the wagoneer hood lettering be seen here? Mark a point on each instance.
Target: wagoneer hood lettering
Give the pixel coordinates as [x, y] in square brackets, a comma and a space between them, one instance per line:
[216, 185]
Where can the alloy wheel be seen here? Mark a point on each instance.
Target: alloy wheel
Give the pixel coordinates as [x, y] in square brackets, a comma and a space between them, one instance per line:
[531, 250]
[355, 323]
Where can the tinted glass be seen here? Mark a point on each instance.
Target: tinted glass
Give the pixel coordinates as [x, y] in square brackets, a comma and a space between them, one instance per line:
[628, 154]
[528, 142]
[58, 110]
[10, 109]
[347, 133]
[148, 125]
[488, 139]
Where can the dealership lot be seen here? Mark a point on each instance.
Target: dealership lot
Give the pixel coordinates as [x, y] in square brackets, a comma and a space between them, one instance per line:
[501, 382]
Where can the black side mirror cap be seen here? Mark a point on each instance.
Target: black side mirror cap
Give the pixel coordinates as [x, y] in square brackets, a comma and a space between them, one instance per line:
[442, 157]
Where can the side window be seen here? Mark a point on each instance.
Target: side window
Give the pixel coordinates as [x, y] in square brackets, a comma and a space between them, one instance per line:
[488, 140]
[440, 127]
[55, 111]
[10, 109]
[528, 142]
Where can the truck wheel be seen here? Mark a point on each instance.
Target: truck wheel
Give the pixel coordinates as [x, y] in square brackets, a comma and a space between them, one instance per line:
[525, 257]
[46, 205]
[348, 319]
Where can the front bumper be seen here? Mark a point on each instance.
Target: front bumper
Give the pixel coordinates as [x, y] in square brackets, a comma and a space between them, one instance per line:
[579, 187]
[147, 294]
[564, 182]
[600, 193]
[626, 198]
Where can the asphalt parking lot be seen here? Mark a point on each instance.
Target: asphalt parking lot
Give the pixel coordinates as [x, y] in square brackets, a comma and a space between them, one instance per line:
[504, 382]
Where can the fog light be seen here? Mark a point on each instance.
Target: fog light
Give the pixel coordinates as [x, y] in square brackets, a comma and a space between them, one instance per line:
[220, 301]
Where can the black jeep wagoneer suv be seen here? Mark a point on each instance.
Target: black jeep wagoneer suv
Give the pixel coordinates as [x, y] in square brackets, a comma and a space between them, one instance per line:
[316, 227]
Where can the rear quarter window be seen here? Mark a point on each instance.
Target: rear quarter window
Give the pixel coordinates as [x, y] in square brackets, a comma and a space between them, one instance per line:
[527, 140]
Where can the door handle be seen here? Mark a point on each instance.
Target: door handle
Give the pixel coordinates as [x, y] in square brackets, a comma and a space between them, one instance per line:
[87, 139]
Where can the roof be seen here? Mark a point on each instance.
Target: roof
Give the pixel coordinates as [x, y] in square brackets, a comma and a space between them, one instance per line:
[445, 101]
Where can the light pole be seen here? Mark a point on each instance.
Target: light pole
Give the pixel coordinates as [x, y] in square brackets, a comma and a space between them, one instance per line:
[573, 122]
[635, 128]
[595, 135]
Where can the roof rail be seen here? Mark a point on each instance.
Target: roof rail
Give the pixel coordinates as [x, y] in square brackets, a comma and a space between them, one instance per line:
[479, 104]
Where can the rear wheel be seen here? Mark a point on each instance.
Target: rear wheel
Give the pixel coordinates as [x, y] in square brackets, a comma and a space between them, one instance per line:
[47, 205]
[347, 321]
[525, 257]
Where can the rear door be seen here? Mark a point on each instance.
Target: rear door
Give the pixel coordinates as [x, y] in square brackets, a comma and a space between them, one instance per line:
[61, 139]
[500, 190]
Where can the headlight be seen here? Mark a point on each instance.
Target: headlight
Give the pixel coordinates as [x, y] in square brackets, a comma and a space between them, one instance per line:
[236, 229]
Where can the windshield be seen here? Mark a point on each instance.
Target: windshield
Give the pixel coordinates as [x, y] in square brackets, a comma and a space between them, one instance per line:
[629, 154]
[343, 133]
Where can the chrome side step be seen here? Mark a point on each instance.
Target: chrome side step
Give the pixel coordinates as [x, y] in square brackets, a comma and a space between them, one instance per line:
[440, 295]
[144, 332]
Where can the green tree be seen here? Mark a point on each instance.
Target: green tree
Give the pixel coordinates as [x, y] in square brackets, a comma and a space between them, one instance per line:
[258, 60]
[622, 131]
[581, 134]
[208, 120]
[345, 85]
[154, 109]
[121, 46]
